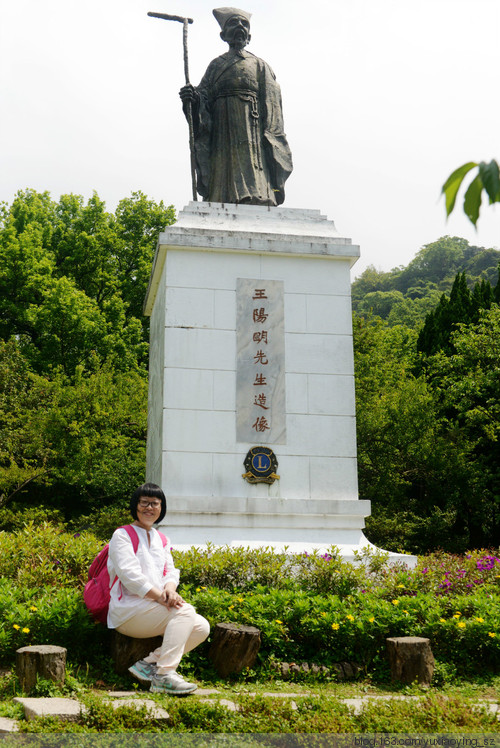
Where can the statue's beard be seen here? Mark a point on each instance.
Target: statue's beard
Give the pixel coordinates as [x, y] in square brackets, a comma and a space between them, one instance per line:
[239, 44]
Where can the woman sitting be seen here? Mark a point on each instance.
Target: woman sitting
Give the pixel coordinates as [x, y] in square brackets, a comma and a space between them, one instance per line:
[144, 601]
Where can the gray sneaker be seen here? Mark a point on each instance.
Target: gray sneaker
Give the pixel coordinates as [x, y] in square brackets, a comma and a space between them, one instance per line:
[143, 671]
[171, 683]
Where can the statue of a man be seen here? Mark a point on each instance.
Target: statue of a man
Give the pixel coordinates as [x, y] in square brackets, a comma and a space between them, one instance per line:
[242, 155]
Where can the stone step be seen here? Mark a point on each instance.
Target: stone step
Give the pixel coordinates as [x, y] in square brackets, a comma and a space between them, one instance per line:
[8, 725]
[65, 709]
[154, 711]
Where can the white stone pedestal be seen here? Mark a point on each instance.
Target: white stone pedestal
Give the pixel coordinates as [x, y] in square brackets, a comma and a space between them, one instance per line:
[193, 452]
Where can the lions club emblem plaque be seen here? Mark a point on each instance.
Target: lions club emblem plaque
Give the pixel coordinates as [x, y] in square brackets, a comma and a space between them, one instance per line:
[261, 465]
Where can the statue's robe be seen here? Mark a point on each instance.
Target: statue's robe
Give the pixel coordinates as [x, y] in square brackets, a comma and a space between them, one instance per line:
[242, 155]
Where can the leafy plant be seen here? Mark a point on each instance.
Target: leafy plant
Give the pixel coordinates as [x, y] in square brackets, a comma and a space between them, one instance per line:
[487, 179]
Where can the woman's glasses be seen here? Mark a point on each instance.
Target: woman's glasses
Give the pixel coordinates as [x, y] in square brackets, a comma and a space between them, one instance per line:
[144, 504]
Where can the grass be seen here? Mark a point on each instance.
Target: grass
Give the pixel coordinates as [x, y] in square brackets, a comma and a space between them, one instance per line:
[452, 708]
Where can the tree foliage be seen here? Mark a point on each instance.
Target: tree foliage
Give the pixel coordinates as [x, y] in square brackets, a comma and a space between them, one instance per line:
[405, 295]
[73, 278]
[408, 464]
[428, 423]
[467, 388]
[69, 444]
[487, 180]
[24, 451]
[73, 347]
[462, 307]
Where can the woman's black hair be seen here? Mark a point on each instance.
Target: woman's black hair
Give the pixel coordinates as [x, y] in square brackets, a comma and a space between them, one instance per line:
[148, 491]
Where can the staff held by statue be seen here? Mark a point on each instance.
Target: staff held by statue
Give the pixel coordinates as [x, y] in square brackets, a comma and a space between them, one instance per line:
[189, 112]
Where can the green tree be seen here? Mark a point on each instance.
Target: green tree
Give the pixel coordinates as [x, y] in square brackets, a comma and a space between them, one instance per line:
[96, 427]
[462, 307]
[73, 278]
[435, 262]
[69, 443]
[369, 281]
[405, 295]
[483, 265]
[380, 303]
[25, 453]
[467, 387]
[412, 311]
[73, 347]
[407, 464]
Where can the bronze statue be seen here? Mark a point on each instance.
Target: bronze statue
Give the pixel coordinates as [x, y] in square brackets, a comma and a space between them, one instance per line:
[241, 151]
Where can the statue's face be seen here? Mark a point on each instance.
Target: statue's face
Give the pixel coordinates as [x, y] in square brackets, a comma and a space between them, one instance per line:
[236, 31]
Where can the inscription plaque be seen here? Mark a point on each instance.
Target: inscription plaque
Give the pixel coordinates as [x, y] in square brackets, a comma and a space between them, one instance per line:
[260, 366]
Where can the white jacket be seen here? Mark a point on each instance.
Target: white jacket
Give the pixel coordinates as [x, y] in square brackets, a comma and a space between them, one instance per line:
[151, 566]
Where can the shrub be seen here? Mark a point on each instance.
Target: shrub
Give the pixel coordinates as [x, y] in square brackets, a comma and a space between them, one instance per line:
[298, 626]
[15, 516]
[309, 607]
[46, 555]
[54, 615]
[103, 522]
[244, 569]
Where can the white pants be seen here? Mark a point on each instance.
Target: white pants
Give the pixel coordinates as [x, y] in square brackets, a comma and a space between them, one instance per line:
[182, 629]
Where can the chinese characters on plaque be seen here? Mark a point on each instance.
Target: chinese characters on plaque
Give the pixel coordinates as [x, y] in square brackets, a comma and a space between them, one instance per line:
[260, 368]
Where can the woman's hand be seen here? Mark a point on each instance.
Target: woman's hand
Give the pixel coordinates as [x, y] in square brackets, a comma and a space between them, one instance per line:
[171, 596]
[172, 599]
[168, 596]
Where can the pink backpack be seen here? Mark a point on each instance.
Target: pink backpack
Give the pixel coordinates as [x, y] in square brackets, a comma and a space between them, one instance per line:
[96, 594]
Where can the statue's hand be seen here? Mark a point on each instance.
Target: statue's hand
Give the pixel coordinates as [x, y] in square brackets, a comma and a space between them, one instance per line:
[188, 93]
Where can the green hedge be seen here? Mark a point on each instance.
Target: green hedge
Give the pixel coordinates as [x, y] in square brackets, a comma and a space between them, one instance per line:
[314, 608]
[296, 626]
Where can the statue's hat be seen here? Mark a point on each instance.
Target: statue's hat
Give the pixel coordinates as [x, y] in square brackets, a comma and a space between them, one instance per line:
[224, 14]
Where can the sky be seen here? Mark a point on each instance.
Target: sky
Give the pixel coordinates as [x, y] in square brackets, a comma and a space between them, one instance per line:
[382, 100]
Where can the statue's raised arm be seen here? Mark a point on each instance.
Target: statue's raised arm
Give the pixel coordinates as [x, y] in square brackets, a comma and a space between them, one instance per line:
[241, 151]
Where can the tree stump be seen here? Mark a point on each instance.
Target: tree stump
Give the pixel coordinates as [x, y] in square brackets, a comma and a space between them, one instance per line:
[410, 658]
[41, 661]
[125, 650]
[233, 647]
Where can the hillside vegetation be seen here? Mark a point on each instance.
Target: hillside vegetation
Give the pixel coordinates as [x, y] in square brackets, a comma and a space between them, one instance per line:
[405, 295]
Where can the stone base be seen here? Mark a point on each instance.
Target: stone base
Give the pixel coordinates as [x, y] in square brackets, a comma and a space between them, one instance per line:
[202, 357]
[221, 520]
[285, 525]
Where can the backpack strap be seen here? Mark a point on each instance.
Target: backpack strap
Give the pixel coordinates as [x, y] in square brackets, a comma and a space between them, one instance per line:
[135, 538]
[164, 540]
[132, 533]
[163, 537]
[135, 543]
